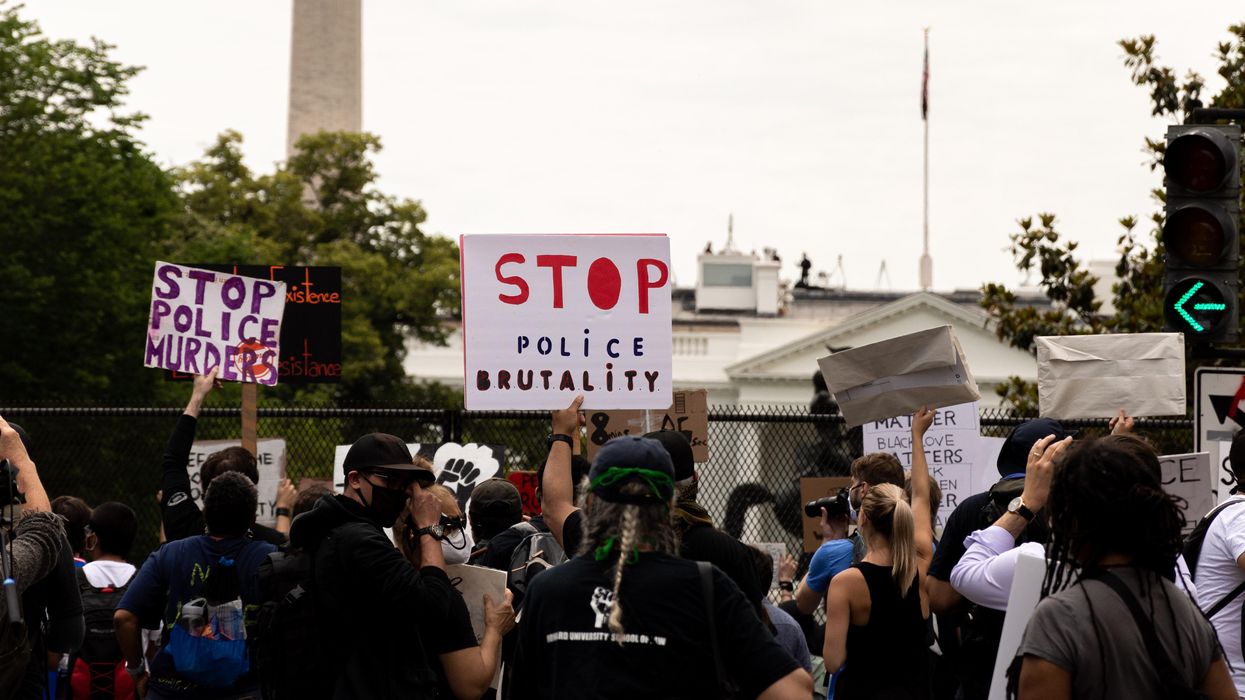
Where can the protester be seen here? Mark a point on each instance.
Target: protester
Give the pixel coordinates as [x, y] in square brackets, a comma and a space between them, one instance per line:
[832, 556]
[179, 514]
[868, 471]
[629, 618]
[1219, 567]
[283, 508]
[455, 536]
[77, 514]
[1112, 623]
[698, 540]
[218, 568]
[786, 630]
[306, 499]
[372, 599]
[495, 508]
[876, 611]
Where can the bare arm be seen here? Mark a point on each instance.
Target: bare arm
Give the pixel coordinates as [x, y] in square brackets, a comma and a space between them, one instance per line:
[202, 386]
[1043, 680]
[286, 494]
[130, 639]
[806, 599]
[470, 671]
[797, 685]
[1217, 684]
[921, 420]
[943, 598]
[557, 492]
[838, 617]
[28, 482]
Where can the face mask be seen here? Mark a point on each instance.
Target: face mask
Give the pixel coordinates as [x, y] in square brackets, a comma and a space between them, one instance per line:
[457, 555]
[386, 505]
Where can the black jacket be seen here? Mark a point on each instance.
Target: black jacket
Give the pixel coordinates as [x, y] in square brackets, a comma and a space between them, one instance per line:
[371, 600]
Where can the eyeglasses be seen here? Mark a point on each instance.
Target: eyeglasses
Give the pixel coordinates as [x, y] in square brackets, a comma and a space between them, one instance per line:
[397, 482]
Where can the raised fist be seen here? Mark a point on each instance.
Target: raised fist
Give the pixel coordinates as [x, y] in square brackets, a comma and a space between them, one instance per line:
[459, 474]
[602, 604]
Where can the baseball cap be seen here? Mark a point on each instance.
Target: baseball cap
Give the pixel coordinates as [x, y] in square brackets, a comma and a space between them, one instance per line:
[496, 498]
[626, 459]
[680, 449]
[1014, 455]
[376, 451]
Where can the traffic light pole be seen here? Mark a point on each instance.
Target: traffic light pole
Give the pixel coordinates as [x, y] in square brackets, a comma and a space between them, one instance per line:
[1209, 352]
[1208, 115]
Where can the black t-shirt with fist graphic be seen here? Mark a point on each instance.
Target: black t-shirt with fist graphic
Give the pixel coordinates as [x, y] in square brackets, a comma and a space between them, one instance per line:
[566, 648]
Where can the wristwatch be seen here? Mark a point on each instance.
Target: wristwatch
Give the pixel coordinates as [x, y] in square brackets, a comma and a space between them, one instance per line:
[788, 586]
[558, 437]
[1018, 507]
[436, 532]
[283, 511]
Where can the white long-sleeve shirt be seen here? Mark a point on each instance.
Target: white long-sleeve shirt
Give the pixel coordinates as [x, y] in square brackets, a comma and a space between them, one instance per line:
[984, 574]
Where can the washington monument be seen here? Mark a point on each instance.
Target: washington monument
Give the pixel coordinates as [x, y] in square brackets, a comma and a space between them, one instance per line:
[326, 68]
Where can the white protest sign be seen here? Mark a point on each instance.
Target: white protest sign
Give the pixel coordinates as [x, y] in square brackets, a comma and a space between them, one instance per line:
[952, 448]
[776, 551]
[458, 467]
[1189, 476]
[474, 582]
[202, 319]
[271, 463]
[1026, 591]
[1223, 480]
[546, 318]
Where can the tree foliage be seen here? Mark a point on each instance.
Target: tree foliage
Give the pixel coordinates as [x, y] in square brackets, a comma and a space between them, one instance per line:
[1136, 294]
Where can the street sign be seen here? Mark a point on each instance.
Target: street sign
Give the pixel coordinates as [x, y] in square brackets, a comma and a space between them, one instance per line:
[1219, 414]
[1195, 307]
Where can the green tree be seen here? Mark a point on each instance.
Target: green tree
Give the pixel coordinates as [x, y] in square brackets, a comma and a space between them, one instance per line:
[1039, 247]
[82, 210]
[322, 207]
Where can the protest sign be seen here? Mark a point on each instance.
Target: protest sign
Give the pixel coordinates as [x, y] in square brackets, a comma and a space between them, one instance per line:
[1023, 600]
[474, 582]
[269, 458]
[547, 318]
[689, 414]
[526, 482]
[897, 376]
[1094, 376]
[952, 451]
[1190, 477]
[202, 319]
[310, 340]
[811, 489]
[458, 467]
[775, 550]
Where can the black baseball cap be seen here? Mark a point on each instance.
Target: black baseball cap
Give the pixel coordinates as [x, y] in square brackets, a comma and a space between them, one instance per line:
[496, 497]
[676, 443]
[628, 458]
[382, 451]
[1014, 456]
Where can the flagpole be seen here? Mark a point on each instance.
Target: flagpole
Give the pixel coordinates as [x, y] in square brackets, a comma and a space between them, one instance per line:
[927, 263]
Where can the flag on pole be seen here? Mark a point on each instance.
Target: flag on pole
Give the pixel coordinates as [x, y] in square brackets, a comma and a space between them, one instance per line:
[925, 82]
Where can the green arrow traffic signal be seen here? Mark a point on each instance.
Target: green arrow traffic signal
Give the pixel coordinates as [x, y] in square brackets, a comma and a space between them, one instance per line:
[1202, 315]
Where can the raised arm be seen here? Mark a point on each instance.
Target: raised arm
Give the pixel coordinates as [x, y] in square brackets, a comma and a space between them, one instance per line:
[921, 420]
[28, 483]
[557, 492]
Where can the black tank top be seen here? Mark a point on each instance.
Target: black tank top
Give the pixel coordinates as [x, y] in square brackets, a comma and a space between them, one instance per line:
[888, 657]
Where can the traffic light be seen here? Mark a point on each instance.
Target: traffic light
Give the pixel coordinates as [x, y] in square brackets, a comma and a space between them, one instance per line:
[1201, 232]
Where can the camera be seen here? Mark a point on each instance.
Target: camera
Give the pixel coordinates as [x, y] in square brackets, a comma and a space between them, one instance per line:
[835, 505]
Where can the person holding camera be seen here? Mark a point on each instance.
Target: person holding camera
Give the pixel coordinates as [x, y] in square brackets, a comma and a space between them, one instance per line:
[834, 554]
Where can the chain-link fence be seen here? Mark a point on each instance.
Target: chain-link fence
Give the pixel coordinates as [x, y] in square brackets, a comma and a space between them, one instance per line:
[750, 484]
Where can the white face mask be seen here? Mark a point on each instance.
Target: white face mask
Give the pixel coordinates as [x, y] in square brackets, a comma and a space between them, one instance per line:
[454, 555]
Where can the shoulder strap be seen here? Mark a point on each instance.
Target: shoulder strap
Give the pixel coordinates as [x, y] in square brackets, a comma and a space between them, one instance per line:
[706, 587]
[1162, 662]
[1223, 602]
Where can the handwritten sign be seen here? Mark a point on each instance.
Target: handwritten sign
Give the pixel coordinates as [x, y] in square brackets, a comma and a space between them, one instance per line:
[546, 318]
[202, 319]
[689, 414]
[527, 483]
[311, 341]
[952, 451]
[269, 459]
[1190, 477]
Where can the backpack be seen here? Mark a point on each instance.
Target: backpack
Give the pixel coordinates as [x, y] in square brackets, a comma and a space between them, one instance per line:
[216, 661]
[1192, 549]
[97, 669]
[288, 653]
[538, 551]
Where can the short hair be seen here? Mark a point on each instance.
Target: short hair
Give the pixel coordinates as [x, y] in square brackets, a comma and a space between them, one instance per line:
[229, 506]
[77, 515]
[877, 468]
[230, 459]
[115, 526]
[1236, 458]
[306, 499]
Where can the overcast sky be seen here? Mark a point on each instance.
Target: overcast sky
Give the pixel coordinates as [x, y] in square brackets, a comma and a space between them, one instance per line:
[801, 118]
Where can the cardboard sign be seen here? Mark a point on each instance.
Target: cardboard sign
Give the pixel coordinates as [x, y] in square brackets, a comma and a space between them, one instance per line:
[952, 451]
[775, 550]
[202, 319]
[811, 489]
[897, 376]
[1094, 376]
[527, 483]
[688, 414]
[458, 467]
[311, 339]
[270, 459]
[546, 318]
[1190, 477]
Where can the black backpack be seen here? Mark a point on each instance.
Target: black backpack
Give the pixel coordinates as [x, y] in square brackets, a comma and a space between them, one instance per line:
[99, 660]
[287, 635]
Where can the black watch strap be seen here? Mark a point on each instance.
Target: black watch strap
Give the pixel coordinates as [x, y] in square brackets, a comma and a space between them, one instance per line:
[283, 511]
[1024, 512]
[559, 437]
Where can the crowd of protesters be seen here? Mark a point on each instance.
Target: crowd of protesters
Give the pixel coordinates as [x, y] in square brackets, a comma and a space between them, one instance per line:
[623, 587]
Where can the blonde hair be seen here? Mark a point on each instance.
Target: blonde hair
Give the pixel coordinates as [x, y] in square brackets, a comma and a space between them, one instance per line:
[626, 542]
[890, 516]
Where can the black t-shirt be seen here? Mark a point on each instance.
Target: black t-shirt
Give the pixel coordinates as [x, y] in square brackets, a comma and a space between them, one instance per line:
[501, 547]
[707, 543]
[964, 520]
[566, 648]
[181, 515]
[453, 633]
[573, 533]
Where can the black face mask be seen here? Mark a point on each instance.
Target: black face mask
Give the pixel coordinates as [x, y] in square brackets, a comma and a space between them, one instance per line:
[387, 504]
